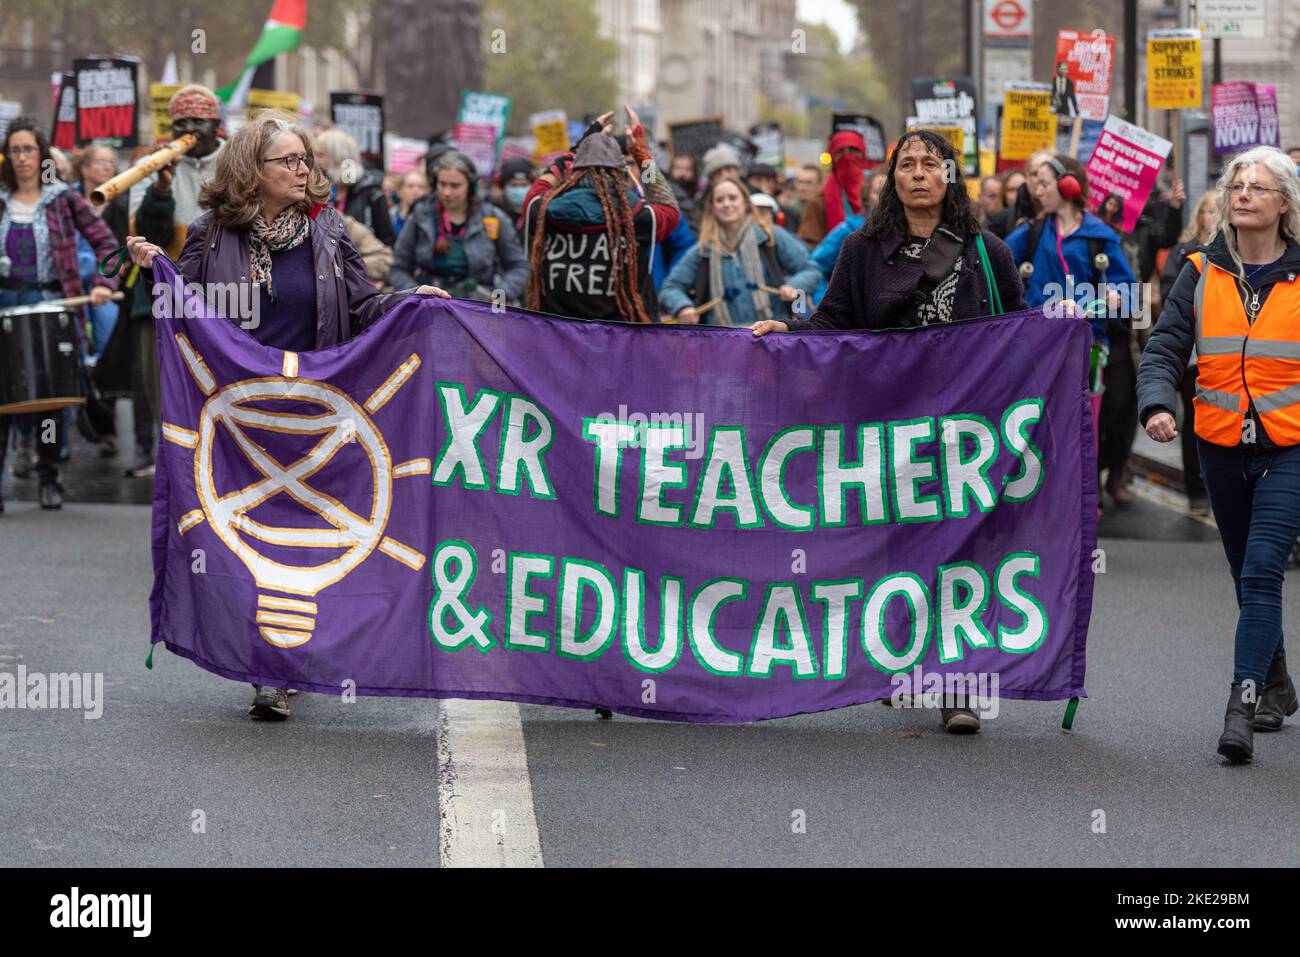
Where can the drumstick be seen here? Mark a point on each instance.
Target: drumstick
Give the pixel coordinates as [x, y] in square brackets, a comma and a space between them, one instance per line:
[708, 305]
[83, 300]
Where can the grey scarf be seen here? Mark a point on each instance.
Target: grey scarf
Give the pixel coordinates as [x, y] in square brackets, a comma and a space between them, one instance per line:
[751, 263]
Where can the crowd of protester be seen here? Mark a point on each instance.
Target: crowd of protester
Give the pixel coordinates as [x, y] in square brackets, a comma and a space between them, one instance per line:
[719, 241]
[602, 233]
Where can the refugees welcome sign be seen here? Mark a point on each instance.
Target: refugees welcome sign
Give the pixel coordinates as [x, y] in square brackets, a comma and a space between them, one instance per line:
[671, 522]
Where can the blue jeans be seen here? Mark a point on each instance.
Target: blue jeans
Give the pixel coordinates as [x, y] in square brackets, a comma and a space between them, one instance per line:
[1255, 495]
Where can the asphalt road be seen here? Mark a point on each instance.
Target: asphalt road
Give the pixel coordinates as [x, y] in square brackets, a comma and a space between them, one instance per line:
[358, 784]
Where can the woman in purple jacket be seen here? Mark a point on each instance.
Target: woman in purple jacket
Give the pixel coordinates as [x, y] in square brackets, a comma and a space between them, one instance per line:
[266, 225]
[40, 220]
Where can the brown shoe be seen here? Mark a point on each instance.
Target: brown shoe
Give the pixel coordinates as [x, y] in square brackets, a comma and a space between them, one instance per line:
[1117, 488]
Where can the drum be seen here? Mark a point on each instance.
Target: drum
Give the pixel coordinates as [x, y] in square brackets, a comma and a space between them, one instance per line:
[40, 362]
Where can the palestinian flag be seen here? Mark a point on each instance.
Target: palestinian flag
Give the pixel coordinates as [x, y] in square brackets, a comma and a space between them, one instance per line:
[282, 33]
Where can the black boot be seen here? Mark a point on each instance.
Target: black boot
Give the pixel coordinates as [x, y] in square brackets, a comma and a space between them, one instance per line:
[1237, 743]
[1278, 700]
[51, 495]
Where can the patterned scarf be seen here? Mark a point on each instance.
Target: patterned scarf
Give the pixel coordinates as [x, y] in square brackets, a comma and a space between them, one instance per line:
[287, 231]
[746, 253]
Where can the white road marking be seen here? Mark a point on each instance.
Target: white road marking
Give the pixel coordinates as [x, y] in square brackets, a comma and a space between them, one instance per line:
[1169, 499]
[485, 799]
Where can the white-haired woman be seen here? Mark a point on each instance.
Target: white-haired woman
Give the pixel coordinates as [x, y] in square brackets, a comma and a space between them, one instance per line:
[1236, 303]
[358, 192]
[266, 224]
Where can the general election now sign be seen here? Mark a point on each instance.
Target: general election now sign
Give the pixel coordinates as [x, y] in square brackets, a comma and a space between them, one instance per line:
[462, 503]
[107, 100]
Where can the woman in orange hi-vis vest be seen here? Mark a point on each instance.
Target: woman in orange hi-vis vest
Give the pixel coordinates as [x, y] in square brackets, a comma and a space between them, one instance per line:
[1237, 303]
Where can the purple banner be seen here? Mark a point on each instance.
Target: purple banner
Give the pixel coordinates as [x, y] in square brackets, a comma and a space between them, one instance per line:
[671, 522]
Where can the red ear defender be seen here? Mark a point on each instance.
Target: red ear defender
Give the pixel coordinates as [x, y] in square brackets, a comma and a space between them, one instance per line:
[1066, 183]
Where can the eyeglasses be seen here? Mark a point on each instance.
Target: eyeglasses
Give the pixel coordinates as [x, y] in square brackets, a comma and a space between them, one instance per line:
[290, 161]
[1250, 189]
[23, 150]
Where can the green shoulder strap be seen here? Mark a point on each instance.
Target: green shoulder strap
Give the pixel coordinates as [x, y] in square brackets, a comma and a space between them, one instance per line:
[995, 299]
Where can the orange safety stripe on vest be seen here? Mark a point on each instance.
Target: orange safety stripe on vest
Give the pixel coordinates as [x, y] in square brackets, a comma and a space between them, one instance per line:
[1239, 362]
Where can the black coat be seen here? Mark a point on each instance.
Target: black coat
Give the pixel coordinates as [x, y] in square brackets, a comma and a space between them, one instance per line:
[873, 288]
[368, 205]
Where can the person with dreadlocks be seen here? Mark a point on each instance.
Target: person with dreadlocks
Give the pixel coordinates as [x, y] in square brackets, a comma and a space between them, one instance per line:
[591, 229]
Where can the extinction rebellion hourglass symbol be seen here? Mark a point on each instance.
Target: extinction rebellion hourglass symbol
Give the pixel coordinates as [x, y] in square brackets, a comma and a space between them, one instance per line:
[285, 615]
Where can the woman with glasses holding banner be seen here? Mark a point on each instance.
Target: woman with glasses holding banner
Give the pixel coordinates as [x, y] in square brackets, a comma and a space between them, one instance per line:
[1236, 304]
[921, 258]
[267, 224]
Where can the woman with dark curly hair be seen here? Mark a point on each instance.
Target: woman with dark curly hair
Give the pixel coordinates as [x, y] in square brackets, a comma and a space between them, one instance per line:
[921, 257]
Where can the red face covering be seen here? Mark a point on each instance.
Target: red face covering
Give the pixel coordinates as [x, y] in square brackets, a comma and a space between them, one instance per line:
[845, 182]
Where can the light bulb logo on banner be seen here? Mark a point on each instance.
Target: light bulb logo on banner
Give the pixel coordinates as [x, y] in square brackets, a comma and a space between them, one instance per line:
[287, 619]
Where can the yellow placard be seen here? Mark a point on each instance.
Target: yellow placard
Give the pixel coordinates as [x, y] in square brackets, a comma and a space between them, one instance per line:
[1174, 70]
[160, 94]
[955, 135]
[259, 100]
[1028, 124]
[551, 130]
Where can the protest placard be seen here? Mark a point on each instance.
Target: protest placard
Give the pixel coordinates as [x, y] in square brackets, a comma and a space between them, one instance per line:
[106, 99]
[869, 128]
[695, 137]
[950, 101]
[1082, 72]
[1126, 162]
[1173, 69]
[1028, 124]
[360, 114]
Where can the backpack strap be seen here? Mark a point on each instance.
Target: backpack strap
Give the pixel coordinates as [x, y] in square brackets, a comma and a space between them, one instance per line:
[772, 266]
[1031, 246]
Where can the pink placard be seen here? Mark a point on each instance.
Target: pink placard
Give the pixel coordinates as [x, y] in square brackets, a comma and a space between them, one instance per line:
[1236, 117]
[1126, 161]
[478, 141]
[1266, 104]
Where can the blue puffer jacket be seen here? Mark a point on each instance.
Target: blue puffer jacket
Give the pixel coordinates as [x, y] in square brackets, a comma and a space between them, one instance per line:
[827, 252]
[669, 252]
[1048, 280]
[791, 255]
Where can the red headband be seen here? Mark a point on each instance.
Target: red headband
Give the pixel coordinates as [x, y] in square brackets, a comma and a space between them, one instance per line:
[193, 103]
